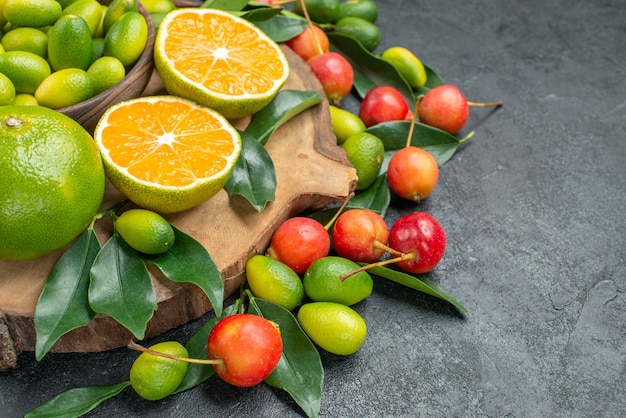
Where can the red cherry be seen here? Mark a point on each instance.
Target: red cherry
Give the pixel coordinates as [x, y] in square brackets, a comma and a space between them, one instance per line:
[360, 235]
[310, 42]
[335, 74]
[383, 104]
[421, 234]
[298, 242]
[444, 107]
[250, 347]
[412, 173]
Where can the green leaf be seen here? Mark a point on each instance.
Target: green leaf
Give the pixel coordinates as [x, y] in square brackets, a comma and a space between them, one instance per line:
[121, 286]
[286, 105]
[440, 144]
[280, 28]
[376, 197]
[253, 176]
[76, 402]
[421, 283]
[63, 304]
[369, 70]
[226, 5]
[197, 348]
[299, 371]
[187, 261]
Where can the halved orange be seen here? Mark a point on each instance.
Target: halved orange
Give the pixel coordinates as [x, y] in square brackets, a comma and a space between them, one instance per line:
[219, 60]
[166, 153]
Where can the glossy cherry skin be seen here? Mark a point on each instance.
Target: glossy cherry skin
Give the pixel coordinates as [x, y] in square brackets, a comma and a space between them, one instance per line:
[310, 42]
[250, 347]
[383, 104]
[412, 173]
[335, 74]
[422, 234]
[298, 242]
[355, 233]
[444, 107]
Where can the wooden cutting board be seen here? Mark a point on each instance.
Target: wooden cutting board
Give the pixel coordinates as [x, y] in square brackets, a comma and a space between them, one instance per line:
[312, 172]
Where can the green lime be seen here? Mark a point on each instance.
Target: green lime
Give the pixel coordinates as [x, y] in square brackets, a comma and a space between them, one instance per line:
[366, 153]
[345, 123]
[26, 39]
[97, 49]
[25, 69]
[64, 88]
[7, 90]
[273, 280]
[407, 64]
[158, 6]
[154, 377]
[320, 11]
[115, 11]
[127, 38]
[365, 9]
[334, 327]
[146, 231]
[69, 43]
[32, 13]
[323, 281]
[100, 30]
[3, 20]
[89, 10]
[105, 72]
[362, 30]
[25, 99]
[52, 181]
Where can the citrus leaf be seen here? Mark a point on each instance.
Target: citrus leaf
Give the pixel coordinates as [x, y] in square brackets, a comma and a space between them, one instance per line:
[280, 28]
[299, 371]
[286, 105]
[421, 283]
[369, 69]
[76, 402]
[376, 197]
[197, 348]
[188, 261]
[121, 286]
[226, 5]
[253, 176]
[440, 144]
[63, 304]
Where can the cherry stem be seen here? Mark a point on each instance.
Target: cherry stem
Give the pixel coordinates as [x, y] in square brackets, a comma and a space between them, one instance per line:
[467, 137]
[413, 119]
[380, 246]
[476, 104]
[310, 24]
[134, 346]
[343, 206]
[402, 257]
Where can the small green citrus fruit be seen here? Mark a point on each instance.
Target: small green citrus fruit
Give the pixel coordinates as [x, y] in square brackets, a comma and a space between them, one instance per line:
[154, 377]
[273, 280]
[323, 282]
[146, 231]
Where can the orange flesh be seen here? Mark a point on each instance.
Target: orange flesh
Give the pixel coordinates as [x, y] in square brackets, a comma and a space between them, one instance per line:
[170, 144]
[224, 56]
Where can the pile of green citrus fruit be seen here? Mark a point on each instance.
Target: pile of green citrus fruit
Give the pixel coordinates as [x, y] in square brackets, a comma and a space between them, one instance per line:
[59, 53]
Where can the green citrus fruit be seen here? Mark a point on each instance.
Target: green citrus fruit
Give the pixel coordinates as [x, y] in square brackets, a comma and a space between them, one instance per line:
[320, 11]
[25, 69]
[273, 280]
[154, 377]
[25, 99]
[115, 11]
[345, 123]
[334, 327]
[32, 13]
[127, 38]
[64, 88]
[52, 181]
[145, 231]
[89, 10]
[323, 282]
[69, 43]
[366, 153]
[407, 64]
[105, 72]
[362, 30]
[26, 39]
[7, 90]
[158, 6]
[365, 9]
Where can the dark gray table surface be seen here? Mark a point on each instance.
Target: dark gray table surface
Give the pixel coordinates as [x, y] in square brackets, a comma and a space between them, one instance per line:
[533, 207]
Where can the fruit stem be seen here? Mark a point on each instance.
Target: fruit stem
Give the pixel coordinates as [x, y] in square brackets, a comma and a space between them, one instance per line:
[413, 119]
[134, 346]
[476, 104]
[380, 246]
[467, 137]
[334, 218]
[402, 257]
[310, 27]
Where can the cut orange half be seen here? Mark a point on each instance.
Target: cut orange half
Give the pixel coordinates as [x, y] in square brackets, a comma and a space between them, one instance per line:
[166, 153]
[219, 60]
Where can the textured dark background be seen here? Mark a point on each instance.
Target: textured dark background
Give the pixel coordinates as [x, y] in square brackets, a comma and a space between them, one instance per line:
[533, 207]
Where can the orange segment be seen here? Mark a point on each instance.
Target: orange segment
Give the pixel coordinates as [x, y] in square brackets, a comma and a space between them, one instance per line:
[219, 60]
[166, 153]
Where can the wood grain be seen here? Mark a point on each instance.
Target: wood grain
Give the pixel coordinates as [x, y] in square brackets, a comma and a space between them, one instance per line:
[312, 172]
